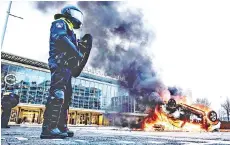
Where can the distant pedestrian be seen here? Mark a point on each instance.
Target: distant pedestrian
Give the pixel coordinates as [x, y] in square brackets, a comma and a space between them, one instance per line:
[24, 120]
[8, 101]
[33, 118]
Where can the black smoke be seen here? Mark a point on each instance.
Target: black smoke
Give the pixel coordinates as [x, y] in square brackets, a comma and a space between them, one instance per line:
[106, 22]
[46, 6]
[175, 91]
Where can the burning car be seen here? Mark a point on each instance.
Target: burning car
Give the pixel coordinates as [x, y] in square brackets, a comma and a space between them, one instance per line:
[182, 116]
[195, 114]
[169, 108]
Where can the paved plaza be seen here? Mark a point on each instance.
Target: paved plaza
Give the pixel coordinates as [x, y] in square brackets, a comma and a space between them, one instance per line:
[24, 135]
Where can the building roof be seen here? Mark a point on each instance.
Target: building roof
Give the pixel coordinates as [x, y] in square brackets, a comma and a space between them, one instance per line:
[35, 63]
[23, 60]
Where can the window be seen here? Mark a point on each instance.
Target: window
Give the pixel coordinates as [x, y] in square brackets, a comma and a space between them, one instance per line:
[4, 67]
[100, 93]
[97, 95]
[12, 69]
[87, 89]
[3, 74]
[40, 87]
[104, 95]
[21, 70]
[109, 94]
[46, 87]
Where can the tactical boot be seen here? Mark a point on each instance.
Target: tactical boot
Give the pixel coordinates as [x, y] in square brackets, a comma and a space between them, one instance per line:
[52, 133]
[65, 129]
[62, 124]
[51, 118]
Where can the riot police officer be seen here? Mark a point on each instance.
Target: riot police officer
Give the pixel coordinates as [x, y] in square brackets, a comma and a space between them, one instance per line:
[9, 100]
[67, 57]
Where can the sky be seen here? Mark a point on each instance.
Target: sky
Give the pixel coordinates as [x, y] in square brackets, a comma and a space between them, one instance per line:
[191, 45]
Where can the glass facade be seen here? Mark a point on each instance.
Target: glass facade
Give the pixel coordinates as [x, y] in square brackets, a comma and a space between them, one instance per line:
[32, 85]
[123, 104]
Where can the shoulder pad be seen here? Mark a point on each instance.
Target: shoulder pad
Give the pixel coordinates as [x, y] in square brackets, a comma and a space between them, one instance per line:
[60, 24]
[59, 27]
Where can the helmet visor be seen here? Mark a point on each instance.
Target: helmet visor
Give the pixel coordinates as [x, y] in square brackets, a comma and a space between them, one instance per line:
[77, 15]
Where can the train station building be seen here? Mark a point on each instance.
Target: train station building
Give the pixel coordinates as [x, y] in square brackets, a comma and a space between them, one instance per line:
[95, 95]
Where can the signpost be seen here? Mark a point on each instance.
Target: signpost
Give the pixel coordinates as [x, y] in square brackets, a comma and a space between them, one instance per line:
[6, 22]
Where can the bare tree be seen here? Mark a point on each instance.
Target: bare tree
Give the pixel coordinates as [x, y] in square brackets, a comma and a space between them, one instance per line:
[221, 114]
[226, 106]
[203, 101]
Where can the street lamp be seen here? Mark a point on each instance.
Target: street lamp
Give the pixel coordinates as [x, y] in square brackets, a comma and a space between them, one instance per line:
[6, 22]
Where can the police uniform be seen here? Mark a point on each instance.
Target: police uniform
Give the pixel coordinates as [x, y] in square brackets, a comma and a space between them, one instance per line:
[8, 101]
[67, 58]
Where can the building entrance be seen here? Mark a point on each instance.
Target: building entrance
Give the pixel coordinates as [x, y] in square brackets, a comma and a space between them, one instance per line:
[83, 118]
[27, 115]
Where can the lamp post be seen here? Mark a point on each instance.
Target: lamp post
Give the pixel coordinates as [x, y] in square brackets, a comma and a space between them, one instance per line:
[6, 22]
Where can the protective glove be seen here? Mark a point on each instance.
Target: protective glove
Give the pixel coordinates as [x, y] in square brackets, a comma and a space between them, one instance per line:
[85, 45]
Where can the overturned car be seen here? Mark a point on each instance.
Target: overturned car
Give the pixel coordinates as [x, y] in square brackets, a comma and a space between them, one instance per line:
[170, 109]
[200, 115]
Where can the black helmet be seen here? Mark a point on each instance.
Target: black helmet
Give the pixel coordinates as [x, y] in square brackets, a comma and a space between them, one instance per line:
[74, 15]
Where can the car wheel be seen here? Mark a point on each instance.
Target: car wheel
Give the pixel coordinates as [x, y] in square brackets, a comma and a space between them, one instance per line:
[212, 116]
[172, 103]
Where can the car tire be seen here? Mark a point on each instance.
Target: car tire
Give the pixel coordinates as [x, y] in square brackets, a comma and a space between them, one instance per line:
[172, 103]
[212, 116]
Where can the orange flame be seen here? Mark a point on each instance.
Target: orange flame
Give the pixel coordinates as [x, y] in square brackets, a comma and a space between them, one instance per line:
[159, 120]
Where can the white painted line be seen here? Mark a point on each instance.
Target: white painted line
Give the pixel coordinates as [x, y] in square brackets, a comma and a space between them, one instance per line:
[126, 142]
[21, 138]
[18, 142]
[57, 139]
[83, 141]
[187, 143]
[156, 142]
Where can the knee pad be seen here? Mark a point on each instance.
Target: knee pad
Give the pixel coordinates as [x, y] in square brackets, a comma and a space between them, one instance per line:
[59, 94]
[57, 97]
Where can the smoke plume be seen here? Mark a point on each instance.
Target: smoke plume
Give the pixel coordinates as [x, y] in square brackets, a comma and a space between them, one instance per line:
[175, 91]
[46, 6]
[120, 42]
